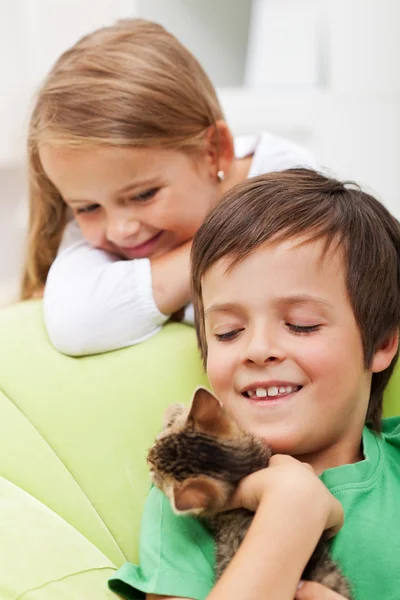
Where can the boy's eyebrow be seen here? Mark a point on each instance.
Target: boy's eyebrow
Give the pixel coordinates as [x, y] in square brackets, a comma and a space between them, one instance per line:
[215, 308]
[287, 300]
[303, 299]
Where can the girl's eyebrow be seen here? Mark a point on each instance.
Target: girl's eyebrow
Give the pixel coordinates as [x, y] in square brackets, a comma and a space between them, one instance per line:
[123, 191]
[136, 184]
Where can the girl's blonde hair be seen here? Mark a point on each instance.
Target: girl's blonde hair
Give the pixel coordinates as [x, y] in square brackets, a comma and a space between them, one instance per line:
[130, 84]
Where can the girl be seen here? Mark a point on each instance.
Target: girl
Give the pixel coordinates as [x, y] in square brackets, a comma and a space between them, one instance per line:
[128, 151]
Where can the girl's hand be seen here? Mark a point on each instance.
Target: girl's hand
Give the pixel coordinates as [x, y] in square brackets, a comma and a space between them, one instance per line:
[309, 590]
[298, 485]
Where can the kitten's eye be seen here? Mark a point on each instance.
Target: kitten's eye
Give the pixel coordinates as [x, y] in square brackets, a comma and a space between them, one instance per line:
[302, 329]
[230, 335]
[85, 210]
[145, 196]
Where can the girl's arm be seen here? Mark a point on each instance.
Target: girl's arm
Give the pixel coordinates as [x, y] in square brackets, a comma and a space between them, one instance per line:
[170, 279]
[95, 302]
[293, 508]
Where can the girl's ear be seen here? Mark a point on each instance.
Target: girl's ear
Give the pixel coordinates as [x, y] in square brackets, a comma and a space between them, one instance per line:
[385, 353]
[219, 147]
[207, 415]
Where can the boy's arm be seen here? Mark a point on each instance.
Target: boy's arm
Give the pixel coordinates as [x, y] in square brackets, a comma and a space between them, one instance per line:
[94, 302]
[315, 591]
[293, 508]
[156, 597]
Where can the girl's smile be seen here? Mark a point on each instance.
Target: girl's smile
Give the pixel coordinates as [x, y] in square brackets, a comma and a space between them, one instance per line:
[133, 202]
[142, 250]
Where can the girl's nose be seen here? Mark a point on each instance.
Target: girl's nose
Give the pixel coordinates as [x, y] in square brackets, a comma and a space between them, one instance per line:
[120, 229]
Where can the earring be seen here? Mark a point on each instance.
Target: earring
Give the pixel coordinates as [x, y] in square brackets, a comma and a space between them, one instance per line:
[221, 175]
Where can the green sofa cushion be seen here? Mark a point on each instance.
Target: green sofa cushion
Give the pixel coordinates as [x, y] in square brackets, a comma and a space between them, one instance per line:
[74, 434]
[42, 557]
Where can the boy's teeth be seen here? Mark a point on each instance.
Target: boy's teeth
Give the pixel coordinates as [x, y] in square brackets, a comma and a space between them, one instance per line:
[272, 391]
[261, 392]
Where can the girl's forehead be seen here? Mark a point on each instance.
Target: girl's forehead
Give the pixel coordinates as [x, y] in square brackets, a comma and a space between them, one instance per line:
[78, 172]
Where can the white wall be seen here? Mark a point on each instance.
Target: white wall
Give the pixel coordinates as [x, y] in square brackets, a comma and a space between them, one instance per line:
[215, 31]
[349, 113]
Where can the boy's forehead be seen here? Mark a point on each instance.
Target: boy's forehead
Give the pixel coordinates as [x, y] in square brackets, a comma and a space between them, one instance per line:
[297, 262]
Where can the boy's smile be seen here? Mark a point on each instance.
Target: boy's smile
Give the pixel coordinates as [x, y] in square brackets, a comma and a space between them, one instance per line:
[285, 354]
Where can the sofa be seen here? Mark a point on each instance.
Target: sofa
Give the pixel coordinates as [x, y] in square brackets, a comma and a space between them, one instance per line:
[74, 434]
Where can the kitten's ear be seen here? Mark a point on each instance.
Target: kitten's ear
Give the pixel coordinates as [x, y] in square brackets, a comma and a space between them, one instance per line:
[197, 495]
[207, 414]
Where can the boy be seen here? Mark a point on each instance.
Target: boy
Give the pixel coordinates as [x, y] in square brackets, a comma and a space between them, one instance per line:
[296, 288]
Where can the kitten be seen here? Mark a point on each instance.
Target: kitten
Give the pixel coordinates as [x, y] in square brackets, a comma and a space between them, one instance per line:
[199, 459]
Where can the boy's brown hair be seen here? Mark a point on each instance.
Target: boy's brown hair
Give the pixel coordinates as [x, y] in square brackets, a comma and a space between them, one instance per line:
[302, 203]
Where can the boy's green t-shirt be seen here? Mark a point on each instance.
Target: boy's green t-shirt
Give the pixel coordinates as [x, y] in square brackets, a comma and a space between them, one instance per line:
[177, 553]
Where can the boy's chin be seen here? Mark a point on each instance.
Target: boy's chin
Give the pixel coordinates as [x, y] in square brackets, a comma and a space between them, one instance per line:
[293, 445]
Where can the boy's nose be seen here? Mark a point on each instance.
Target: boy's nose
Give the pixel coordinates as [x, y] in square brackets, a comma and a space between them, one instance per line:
[119, 230]
[263, 349]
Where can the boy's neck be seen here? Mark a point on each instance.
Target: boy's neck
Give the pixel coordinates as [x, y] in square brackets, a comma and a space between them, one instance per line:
[346, 453]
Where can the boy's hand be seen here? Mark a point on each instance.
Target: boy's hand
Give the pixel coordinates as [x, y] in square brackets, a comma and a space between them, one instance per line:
[310, 590]
[298, 486]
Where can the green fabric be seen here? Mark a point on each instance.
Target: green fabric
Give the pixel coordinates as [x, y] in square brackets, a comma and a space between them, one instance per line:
[40, 554]
[74, 434]
[368, 546]
[177, 557]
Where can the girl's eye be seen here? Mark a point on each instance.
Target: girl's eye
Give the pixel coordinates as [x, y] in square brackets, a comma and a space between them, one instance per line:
[226, 337]
[84, 210]
[303, 328]
[147, 195]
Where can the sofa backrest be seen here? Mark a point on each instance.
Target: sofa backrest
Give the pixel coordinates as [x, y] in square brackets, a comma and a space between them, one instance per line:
[74, 432]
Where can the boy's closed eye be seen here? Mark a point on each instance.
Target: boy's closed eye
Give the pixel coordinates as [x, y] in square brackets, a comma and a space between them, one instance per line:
[294, 328]
[229, 335]
[303, 329]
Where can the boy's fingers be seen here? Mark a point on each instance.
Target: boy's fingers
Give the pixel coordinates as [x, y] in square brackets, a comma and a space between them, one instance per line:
[310, 590]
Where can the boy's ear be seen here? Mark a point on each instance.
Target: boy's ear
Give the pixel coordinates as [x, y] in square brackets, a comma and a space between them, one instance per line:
[207, 414]
[385, 353]
[196, 495]
[220, 147]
